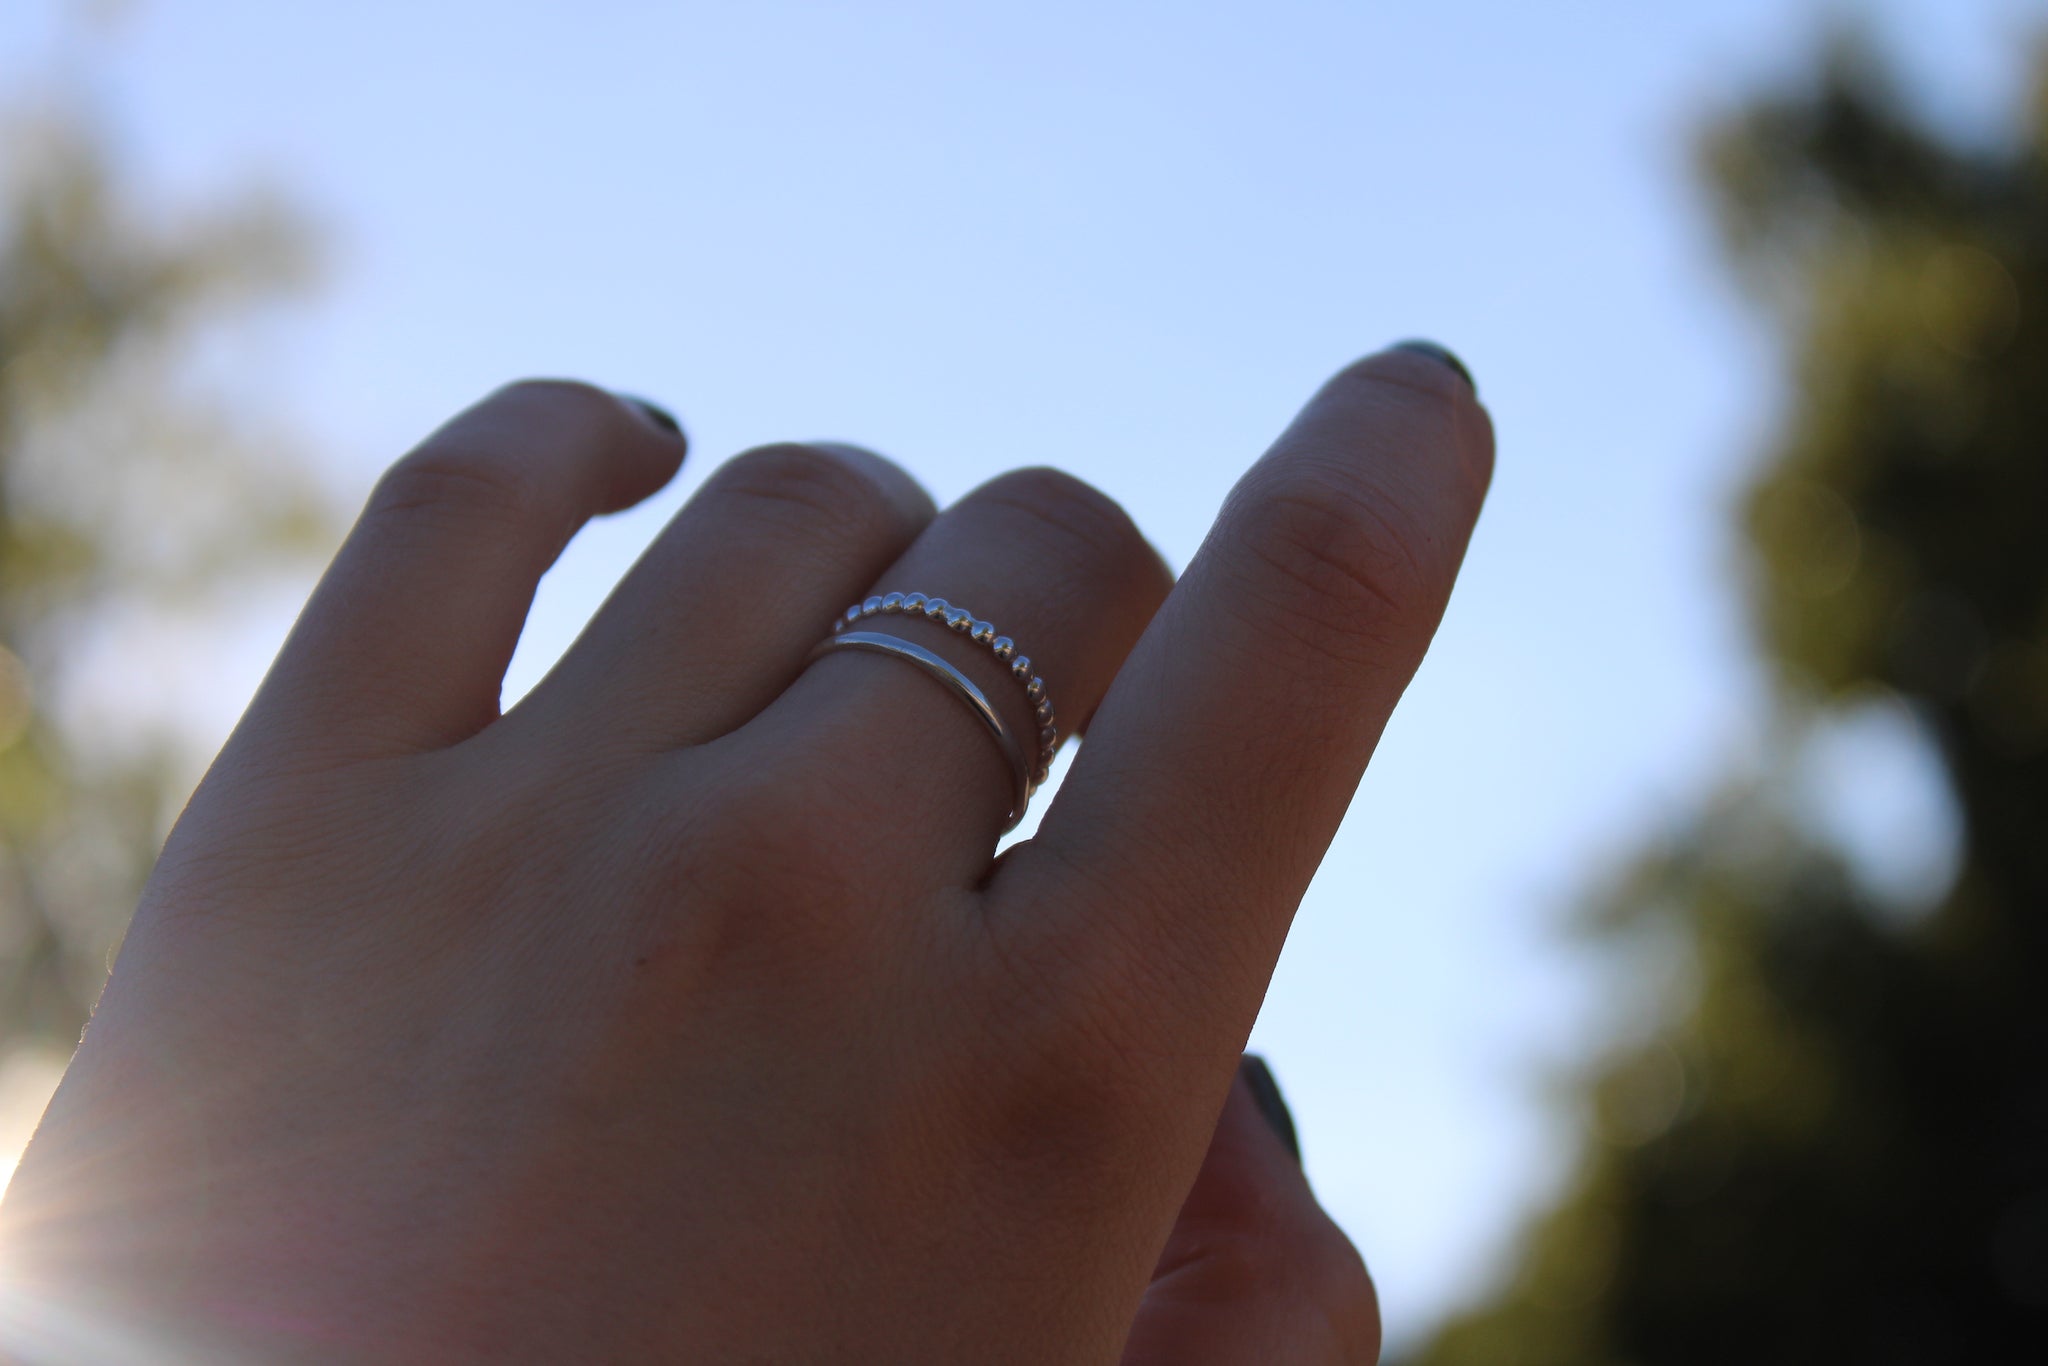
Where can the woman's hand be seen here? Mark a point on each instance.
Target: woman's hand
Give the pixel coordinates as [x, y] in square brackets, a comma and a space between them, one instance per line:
[679, 1013]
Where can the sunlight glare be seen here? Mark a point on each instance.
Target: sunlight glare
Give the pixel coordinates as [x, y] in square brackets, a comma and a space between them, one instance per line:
[28, 1078]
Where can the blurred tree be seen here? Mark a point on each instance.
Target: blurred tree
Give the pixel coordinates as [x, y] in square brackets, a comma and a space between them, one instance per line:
[126, 496]
[1836, 1147]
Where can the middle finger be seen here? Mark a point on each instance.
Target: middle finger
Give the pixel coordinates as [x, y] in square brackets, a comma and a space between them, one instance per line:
[713, 622]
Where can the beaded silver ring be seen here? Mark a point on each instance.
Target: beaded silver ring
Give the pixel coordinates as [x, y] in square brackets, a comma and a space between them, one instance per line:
[963, 622]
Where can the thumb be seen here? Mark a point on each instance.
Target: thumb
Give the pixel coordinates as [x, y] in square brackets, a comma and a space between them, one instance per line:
[1254, 1271]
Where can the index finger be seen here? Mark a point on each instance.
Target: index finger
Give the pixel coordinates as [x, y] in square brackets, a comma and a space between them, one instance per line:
[1222, 759]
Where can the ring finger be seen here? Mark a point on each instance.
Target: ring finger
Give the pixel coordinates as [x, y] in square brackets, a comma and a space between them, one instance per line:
[1046, 562]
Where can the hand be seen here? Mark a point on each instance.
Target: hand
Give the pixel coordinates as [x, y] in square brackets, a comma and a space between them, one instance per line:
[680, 1013]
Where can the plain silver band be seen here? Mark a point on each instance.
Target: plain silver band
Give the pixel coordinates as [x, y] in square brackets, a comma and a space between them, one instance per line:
[883, 643]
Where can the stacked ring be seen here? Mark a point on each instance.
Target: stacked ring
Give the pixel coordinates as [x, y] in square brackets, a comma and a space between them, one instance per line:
[882, 642]
[963, 622]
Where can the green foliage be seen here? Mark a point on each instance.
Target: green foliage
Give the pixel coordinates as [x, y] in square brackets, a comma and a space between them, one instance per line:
[125, 494]
[1837, 1148]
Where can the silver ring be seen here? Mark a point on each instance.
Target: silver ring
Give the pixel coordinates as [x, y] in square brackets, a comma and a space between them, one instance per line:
[963, 622]
[961, 684]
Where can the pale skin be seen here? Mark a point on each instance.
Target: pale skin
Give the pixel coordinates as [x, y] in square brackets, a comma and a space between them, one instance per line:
[681, 1012]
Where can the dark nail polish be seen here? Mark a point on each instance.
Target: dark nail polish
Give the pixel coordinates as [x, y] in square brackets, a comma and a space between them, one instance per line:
[1442, 355]
[1266, 1095]
[655, 413]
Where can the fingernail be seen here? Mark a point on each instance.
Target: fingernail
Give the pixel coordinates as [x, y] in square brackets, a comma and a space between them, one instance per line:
[1442, 355]
[1266, 1095]
[655, 413]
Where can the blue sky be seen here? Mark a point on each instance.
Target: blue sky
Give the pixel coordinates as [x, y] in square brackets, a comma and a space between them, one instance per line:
[1126, 239]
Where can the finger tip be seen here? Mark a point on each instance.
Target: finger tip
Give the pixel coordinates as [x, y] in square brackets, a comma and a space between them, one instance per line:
[1420, 372]
[657, 417]
[1442, 355]
[658, 460]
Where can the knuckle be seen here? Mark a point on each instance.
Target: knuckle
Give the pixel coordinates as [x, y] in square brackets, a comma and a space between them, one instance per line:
[1331, 566]
[1064, 1125]
[1077, 1073]
[767, 870]
[794, 482]
[774, 826]
[1078, 519]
